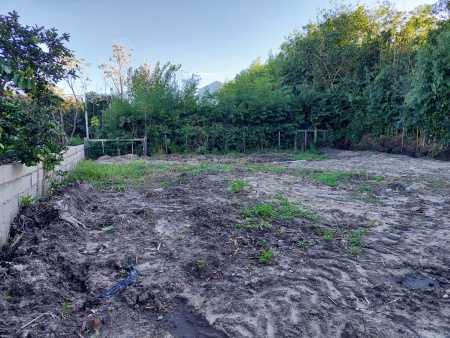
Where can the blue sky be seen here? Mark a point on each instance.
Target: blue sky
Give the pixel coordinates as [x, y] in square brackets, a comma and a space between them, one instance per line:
[214, 38]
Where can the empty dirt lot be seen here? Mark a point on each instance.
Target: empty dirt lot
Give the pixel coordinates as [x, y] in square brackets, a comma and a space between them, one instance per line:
[355, 245]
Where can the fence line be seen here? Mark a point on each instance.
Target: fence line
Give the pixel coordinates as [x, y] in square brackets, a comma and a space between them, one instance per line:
[117, 140]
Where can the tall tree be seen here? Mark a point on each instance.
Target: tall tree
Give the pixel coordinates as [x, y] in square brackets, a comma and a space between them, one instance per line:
[116, 71]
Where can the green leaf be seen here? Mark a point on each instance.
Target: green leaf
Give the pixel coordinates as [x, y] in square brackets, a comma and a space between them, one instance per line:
[6, 69]
[16, 78]
[107, 228]
[23, 84]
[30, 83]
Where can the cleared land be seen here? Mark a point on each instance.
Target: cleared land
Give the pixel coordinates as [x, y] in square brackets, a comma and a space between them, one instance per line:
[268, 245]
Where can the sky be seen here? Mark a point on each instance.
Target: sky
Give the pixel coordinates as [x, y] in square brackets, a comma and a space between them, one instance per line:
[215, 39]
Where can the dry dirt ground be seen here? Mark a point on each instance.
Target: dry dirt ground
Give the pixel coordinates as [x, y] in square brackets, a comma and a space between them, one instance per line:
[367, 258]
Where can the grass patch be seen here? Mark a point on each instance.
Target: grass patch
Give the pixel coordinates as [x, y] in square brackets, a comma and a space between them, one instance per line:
[280, 209]
[118, 175]
[364, 188]
[308, 157]
[332, 178]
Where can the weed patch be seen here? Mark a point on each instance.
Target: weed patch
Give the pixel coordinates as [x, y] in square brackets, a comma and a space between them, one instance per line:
[282, 209]
[266, 256]
[356, 240]
[308, 157]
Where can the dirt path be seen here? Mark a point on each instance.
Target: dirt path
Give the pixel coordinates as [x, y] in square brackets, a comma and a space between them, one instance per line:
[366, 258]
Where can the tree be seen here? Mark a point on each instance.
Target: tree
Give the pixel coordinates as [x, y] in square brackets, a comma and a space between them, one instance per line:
[76, 67]
[116, 71]
[32, 61]
[31, 58]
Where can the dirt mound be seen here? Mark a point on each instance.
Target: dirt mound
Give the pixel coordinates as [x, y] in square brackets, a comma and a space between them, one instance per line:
[286, 256]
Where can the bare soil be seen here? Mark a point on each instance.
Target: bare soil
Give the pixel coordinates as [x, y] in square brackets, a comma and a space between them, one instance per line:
[200, 275]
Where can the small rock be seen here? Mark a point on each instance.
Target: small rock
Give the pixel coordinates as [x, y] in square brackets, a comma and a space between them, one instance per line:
[445, 296]
[415, 209]
[160, 317]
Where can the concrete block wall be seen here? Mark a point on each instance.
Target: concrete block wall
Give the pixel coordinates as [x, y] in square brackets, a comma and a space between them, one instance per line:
[18, 181]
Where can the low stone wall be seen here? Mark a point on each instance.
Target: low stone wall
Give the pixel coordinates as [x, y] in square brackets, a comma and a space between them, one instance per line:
[18, 181]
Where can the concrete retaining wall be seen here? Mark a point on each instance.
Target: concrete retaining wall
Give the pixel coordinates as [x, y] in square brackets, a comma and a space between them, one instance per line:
[18, 181]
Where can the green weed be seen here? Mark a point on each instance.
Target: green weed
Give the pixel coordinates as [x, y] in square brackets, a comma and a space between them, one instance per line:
[262, 243]
[364, 188]
[332, 178]
[65, 309]
[327, 235]
[303, 243]
[201, 263]
[266, 256]
[356, 240]
[281, 231]
[237, 186]
[282, 209]
[26, 200]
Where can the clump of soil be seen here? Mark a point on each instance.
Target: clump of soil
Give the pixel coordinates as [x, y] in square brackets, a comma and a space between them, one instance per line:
[365, 258]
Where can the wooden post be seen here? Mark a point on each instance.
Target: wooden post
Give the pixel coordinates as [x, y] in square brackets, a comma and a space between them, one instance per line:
[306, 135]
[103, 147]
[132, 147]
[86, 147]
[117, 146]
[243, 140]
[165, 142]
[295, 141]
[279, 140]
[144, 146]
[315, 134]
[403, 139]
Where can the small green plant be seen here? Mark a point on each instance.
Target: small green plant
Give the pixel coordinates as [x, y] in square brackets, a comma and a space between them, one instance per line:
[364, 188]
[238, 186]
[303, 243]
[266, 256]
[122, 270]
[262, 243]
[201, 263]
[108, 228]
[356, 240]
[281, 231]
[327, 235]
[65, 309]
[27, 200]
